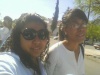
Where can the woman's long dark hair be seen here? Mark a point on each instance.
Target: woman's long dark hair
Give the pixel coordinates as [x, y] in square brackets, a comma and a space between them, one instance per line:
[15, 45]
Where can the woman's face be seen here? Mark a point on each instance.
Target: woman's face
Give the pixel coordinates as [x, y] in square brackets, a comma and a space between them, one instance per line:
[35, 46]
[76, 31]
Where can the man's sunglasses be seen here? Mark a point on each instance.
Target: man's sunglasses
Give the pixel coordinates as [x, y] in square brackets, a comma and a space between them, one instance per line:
[30, 34]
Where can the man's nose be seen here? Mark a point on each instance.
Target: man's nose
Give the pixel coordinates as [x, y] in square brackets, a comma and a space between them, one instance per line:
[82, 28]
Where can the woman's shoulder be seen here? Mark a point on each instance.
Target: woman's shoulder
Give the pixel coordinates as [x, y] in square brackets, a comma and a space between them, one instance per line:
[8, 63]
[8, 58]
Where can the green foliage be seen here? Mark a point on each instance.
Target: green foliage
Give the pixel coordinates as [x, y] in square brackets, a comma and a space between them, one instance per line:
[90, 6]
[96, 9]
[55, 18]
[93, 31]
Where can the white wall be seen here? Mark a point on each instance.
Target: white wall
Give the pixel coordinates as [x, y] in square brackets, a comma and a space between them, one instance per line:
[55, 32]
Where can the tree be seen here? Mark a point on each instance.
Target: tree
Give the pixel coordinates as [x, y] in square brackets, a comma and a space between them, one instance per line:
[93, 31]
[89, 6]
[55, 18]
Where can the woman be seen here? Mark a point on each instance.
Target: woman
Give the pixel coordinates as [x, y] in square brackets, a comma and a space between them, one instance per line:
[29, 43]
[66, 57]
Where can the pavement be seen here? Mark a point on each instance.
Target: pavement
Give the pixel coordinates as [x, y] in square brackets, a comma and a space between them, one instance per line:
[93, 55]
[90, 52]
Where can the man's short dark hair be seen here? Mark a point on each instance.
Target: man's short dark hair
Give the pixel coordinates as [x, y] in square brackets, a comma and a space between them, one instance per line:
[8, 18]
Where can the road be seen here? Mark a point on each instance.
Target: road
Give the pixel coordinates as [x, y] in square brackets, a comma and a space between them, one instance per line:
[92, 67]
[90, 47]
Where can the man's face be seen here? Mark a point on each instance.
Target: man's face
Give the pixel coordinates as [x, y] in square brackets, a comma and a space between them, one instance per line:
[76, 31]
[7, 23]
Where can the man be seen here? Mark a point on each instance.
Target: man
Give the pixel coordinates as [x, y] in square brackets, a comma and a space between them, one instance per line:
[6, 29]
[67, 56]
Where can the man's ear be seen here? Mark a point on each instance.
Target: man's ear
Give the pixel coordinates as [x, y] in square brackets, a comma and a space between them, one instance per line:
[65, 30]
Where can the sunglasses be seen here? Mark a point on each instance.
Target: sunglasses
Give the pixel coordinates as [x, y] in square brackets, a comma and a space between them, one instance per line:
[30, 34]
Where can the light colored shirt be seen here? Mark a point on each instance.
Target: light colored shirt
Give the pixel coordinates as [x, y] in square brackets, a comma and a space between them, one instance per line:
[42, 69]
[3, 33]
[10, 64]
[61, 61]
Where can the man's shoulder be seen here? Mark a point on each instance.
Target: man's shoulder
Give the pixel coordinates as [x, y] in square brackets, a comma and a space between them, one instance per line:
[1, 29]
[56, 47]
[6, 29]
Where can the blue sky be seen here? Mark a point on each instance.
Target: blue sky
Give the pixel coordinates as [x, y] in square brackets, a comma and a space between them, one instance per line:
[14, 8]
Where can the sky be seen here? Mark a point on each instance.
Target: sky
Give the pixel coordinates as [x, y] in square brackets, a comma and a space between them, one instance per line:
[46, 8]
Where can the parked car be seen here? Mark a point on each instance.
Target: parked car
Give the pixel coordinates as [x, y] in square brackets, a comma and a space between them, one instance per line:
[97, 45]
[88, 42]
[55, 37]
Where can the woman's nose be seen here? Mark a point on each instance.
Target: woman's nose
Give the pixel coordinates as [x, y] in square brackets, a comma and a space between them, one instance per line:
[36, 40]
